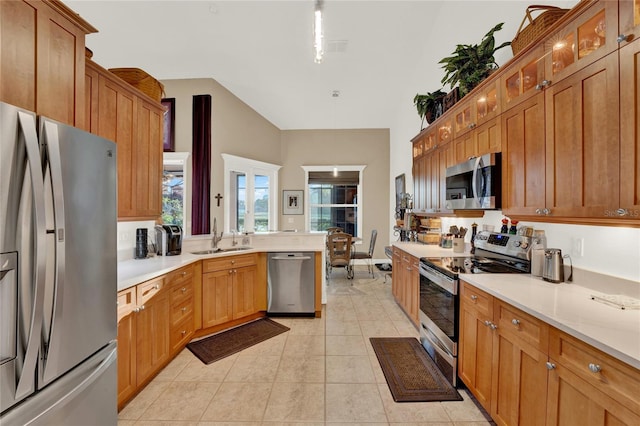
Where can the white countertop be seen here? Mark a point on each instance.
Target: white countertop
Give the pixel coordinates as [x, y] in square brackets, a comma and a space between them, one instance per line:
[566, 306]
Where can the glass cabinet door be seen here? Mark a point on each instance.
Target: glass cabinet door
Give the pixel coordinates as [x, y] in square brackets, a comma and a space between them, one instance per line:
[629, 26]
[520, 81]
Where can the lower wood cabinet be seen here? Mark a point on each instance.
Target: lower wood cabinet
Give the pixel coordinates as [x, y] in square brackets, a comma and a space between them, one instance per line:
[525, 372]
[182, 306]
[405, 285]
[229, 289]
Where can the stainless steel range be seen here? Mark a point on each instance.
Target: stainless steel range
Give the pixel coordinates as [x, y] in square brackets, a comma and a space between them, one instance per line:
[439, 283]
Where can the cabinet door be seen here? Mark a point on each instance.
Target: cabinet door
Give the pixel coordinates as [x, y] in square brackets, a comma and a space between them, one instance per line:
[217, 298]
[523, 162]
[126, 344]
[116, 122]
[244, 291]
[489, 137]
[573, 401]
[629, 25]
[630, 127]
[413, 287]
[152, 335]
[582, 142]
[148, 160]
[519, 382]
[420, 181]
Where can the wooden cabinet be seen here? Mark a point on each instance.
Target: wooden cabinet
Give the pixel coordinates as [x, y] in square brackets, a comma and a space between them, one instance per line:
[127, 309]
[42, 59]
[182, 306]
[152, 328]
[229, 289]
[119, 112]
[589, 387]
[406, 283]
[525, 372]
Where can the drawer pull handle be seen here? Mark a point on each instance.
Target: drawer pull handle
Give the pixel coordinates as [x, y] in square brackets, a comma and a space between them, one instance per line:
[142, 308]
[550, 365]
[184, 273]
[515, 322]
[595, 368]
[184, 332]
[156, 287]
[474, 297]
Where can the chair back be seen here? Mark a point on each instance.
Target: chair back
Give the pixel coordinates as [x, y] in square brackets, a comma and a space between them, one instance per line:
[339, 248]
[333, 230]
[372, 243]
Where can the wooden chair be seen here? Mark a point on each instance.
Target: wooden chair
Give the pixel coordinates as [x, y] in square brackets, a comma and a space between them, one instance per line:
[368, 256]
[339, 253]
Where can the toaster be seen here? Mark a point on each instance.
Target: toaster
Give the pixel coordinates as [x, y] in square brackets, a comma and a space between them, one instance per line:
[168, 240]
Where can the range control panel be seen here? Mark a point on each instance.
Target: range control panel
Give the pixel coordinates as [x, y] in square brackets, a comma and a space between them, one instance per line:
[507, 244]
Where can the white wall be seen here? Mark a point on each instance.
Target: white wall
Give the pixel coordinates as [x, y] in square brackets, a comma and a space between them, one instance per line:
[609, 250]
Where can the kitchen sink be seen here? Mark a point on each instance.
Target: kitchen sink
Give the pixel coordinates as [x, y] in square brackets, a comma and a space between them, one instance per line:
[221, 250]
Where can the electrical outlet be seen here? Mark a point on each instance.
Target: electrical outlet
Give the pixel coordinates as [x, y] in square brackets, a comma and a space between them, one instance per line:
[577, 249]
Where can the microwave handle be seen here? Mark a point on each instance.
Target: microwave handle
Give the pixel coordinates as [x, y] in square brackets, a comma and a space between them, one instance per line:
[474, 179]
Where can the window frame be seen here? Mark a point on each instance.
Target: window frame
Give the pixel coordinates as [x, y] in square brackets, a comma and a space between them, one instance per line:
[343, 168]
[181, 158]
[250, 168]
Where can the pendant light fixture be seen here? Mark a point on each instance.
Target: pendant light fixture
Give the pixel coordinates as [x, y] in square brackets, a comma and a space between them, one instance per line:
[317, 32]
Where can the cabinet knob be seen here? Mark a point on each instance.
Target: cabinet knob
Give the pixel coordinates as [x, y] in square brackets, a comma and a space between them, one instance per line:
[230, 271]
[622, 212]
[474, 297]
[493, 326]
[142, 308]
[233, 262]
[471, 125]
[184, 310]
[184, 332]
[515, 321]
[487, 323]
[543, 84]
[595, 368]
[550, 365]
[184, 273]
[544, 211]
[622, 38]
[156, 287]
[136, 310]
[184, 289]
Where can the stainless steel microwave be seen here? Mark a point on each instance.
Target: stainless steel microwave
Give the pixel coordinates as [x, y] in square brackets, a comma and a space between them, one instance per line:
[474, 184]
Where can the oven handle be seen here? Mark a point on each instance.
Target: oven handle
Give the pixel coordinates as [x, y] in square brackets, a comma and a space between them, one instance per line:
[441, 280]
[437, 344]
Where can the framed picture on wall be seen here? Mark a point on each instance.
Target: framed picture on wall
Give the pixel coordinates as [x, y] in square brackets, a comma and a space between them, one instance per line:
[292, 201]
[168, 131]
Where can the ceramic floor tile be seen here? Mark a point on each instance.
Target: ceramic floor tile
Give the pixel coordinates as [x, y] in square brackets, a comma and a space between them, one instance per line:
[465, 410]
[254, 368]
[296, 402]
[346, 345]
[301, 369]
[175, 367]
[170, 405]
[273, 346]
[304, 326]
[238, 402]
[378, 328]
[301, 345]
[337, 327]
[349, 369]
[162, 423]
[354, 403]
[196, 370]
[134, 409]
[229, 424]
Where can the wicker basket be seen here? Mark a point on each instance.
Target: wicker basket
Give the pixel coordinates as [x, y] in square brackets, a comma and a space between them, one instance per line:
[538, 25]
[141, 81]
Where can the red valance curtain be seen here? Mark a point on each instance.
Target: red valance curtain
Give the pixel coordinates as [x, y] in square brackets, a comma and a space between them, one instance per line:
[201, 163]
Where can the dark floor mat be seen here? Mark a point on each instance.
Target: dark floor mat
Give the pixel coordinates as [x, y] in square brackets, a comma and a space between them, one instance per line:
[229, 342]
[411, 374]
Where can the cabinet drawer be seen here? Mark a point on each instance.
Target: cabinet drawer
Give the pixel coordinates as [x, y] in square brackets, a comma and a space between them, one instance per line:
[181, 310]
[126, 302]
[180, 292]
[181, 275]
[612, 377]
[228, 262]
[181, 333]
[147, 290]
[513, 322]
[476, 300]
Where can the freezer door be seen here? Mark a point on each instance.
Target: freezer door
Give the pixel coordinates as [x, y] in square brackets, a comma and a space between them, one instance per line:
[87, 395]
[81, 285]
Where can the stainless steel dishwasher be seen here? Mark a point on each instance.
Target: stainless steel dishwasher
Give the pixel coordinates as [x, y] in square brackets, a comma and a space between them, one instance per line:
[291, 283]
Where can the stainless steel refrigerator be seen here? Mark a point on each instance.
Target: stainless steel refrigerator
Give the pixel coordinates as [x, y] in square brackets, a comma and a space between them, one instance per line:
[58, 273]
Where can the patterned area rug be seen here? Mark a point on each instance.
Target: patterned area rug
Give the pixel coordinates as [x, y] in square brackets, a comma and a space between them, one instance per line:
[411, 374]
[229, 342]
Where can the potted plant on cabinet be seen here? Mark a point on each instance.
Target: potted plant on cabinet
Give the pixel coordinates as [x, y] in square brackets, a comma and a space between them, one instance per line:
[471, 64]
[429, 106]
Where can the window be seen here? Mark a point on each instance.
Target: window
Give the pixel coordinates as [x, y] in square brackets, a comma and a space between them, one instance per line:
[174, 188]
[250, 190]
[335, 198]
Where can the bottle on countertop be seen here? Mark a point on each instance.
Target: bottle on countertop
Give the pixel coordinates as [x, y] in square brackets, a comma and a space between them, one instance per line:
[514, 227]
[474, 231]
[505, 226]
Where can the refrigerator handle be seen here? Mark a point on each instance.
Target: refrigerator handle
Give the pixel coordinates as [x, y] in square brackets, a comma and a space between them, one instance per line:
[26, 381]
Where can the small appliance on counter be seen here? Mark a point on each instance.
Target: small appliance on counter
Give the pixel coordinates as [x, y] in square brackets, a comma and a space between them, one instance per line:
[553, 266]
[141, 244]
[168, 240]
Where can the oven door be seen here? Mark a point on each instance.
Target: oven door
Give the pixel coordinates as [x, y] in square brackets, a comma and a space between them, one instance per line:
[439, 307]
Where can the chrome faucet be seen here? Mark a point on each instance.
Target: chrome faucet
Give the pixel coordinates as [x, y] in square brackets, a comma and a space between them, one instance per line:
[216, 238]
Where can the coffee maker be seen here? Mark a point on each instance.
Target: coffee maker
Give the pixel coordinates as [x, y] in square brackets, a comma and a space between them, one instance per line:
[168, 240]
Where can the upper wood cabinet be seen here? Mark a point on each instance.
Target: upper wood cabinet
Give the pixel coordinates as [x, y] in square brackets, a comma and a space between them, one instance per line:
[42, 59]
[121, 113]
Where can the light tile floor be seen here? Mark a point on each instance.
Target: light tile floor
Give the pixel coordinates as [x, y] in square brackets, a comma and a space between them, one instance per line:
[322, 371]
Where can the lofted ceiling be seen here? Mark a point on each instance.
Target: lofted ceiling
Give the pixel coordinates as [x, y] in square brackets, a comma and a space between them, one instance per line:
[378, 53]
